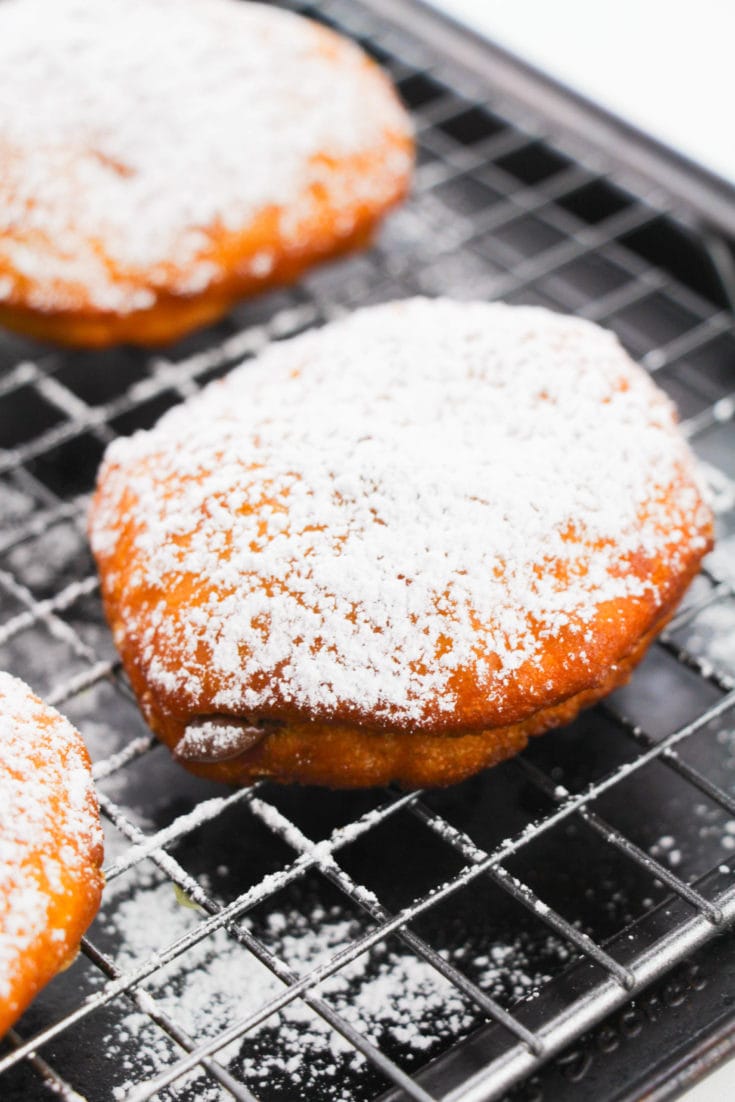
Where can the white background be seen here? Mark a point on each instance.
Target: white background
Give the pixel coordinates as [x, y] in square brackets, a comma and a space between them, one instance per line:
[668, 66]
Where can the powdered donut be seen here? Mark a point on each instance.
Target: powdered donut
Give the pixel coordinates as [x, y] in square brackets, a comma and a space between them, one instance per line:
[50, 846]
[393, 549]
[162, 158]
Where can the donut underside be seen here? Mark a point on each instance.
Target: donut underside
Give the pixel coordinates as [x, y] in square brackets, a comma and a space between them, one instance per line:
[173, 316]
[233, 254]
[342, 755]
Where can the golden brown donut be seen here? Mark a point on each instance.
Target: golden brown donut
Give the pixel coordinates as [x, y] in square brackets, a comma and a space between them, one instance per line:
[393, 549]
[50, 846]
[163, 158]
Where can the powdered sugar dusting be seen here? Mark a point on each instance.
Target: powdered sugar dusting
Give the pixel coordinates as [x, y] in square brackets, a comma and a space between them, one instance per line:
[144, 126]
[392, 997]
[48, 825]
[422, 490]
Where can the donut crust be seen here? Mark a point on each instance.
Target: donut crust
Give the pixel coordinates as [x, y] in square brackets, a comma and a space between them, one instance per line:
[66, 278]
[70, 886]
[176, 611]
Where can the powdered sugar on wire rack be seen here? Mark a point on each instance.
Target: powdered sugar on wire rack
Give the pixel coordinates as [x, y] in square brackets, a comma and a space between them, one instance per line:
[391, 996]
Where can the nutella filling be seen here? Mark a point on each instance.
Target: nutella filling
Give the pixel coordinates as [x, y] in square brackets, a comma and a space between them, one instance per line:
[220, 738]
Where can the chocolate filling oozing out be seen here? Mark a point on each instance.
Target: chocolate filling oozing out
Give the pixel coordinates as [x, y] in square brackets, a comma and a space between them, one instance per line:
[221, 738]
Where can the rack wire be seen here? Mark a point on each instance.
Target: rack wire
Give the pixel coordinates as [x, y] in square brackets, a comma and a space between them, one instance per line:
[500, 208]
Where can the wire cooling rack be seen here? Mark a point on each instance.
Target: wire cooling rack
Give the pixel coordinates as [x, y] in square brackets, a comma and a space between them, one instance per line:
[283, 944]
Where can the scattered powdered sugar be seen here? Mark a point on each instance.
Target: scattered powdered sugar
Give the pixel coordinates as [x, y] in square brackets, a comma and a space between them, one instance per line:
[711, 637]
[48, 825]
[14, 506]
[720, 488]
[666, 851]
[143, 126]
[721, 561]
[392, 997]
[423, 489]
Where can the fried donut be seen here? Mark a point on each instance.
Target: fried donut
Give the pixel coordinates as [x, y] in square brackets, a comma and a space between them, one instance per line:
[163, 158]
[50, 846]
[394, 548]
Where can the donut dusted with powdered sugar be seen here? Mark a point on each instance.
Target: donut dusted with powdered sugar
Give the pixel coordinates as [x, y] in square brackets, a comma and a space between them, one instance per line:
[50, 846]
[163, 158]
[393, 548]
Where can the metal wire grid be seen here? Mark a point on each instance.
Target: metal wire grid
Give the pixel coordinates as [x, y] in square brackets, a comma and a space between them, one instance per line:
[492, 191]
